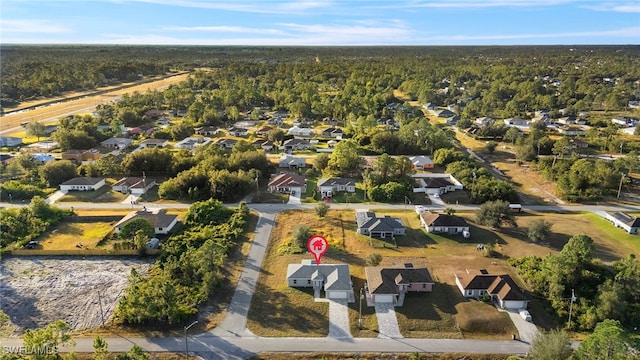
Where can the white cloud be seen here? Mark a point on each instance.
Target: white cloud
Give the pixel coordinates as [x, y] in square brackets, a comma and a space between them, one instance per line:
[249, 6]
[624, 32]
[225, 29]
[477, 3]
[32, 26]
[626, 7]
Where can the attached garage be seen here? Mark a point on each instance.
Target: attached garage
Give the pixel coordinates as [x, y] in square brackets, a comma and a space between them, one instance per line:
[337, 294]
[384, 298]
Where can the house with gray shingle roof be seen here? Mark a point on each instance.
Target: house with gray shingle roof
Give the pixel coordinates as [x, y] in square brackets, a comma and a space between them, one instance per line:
[502, 289]
[630, 224]
[334, 279]
[378, 226]
[390, 285]
[329, 186]
[161, 221]
[443, 223]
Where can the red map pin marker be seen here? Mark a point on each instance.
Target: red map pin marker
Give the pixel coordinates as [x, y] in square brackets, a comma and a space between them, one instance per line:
[318, 246]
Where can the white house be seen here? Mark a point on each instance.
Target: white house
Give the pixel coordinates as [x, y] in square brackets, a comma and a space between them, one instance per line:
[443, 223]
[433, 184]
[502, 289]
[298, 131]
[296, 144]
[334, 279]
[133, 185]
[329, 186]
[288, 184]
[192, 142]
[154, 143]
[378, 226]
[82, 184]
[292, 162]
[421, 162]
[484, 121]
[630, 224]
[117, 143]
[162, 222]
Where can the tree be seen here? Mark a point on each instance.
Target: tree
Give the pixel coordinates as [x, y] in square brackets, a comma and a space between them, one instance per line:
[45, 341]
[491, 146]
[100, 347]
[136, 353]
[321, 161]
[55, 173]
[132, 228]
[496, 214]
[345, 159]
[321, 209]
[511, 135]
[609, 340]
[538, 230]
[374, 259]
[36, 129]
[208, 212]
[553, 344]
[301, 234]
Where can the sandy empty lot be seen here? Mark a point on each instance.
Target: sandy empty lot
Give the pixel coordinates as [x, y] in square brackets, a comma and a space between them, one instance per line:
[35, 291]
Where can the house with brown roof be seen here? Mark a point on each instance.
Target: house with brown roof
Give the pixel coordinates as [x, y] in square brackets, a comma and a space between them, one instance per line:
[502, 289]
[154, 143]
[162, 222]
[81, 156]
[389, 285]
[133, 185]
[266, 145]
[288, 184]
[443, 223]
[263, 130]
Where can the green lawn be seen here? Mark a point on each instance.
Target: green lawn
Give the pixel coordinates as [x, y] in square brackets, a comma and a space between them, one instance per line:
[102, 195]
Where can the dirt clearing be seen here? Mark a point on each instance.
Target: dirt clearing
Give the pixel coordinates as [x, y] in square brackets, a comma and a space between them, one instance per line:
[36, 291]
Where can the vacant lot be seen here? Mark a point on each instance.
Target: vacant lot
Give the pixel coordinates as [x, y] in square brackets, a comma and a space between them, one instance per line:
[442, 313]
[67, 236]
[81, 291]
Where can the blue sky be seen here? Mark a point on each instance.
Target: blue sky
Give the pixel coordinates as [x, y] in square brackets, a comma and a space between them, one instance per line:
[320, 22]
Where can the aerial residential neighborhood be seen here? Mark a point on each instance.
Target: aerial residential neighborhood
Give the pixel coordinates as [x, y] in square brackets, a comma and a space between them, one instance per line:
[462, 214]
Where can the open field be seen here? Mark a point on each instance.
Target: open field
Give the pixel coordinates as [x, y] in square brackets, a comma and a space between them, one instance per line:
[39, 290]
[86, 104]
[449, 314]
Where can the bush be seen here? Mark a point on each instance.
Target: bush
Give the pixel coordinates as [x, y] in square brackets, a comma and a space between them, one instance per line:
[374, 259]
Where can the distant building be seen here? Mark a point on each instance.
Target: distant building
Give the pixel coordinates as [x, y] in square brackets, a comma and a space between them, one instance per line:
[82, 184]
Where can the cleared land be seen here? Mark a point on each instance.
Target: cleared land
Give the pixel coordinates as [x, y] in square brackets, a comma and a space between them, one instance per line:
[69, 235]
[85, 104]
[444, 313]
[39, 290]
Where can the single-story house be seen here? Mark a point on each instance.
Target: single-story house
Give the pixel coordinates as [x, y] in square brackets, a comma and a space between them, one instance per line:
[226, 143]
[484, 121]
[44, 145]
[163, 121]
[331, 121]
[443, 223]
[333, 132]
[42, 158]
[516, 122]
[142, 129]
[571, 130]
[625, 121]
[266, 145]
[152, 143]
[10, 141]
[207, 130]
[263, 130]
[288, 184]
[390, 285]
[446, 113]
[161, 221]
[436, 184]
[329, 186]
[81, 156]
[133, 185]
[192, 142]
[154, 113]
[630, 224]
[296, 144]
[82, 184]
[421, 162]
[577, 144]
[237, 131]
[298, 131]
[117, 143]
[378, 226]
[502, 289]
[334, 279]
[292, 162]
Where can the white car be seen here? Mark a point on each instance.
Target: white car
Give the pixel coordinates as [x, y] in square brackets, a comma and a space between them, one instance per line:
[525, 315]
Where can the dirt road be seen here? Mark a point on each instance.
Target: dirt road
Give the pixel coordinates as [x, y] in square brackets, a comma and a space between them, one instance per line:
[87, 103]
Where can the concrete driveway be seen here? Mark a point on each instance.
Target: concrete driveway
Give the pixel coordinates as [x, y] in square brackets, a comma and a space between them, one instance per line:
[387, 321]
[526, 329]
[339, 319]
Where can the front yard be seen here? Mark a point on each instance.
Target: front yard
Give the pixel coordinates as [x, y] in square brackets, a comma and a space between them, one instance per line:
[443, 313]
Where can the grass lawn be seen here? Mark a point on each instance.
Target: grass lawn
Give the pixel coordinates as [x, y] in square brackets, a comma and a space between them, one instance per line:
[104, 194]
[443, 313]
[67, 235]
[263, 197]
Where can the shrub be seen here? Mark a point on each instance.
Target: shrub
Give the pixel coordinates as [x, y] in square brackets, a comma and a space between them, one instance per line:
[374, 259]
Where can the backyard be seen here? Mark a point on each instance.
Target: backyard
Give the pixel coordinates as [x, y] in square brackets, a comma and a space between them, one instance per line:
[444, 312]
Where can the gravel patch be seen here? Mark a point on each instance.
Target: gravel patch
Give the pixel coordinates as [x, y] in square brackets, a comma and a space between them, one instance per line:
[35, 291]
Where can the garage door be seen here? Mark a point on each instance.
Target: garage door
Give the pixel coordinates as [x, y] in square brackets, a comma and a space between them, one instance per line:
[337, 295]
[384, 299]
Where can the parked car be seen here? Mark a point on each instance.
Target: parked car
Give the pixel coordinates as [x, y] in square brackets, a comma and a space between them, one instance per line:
[31, 245]
[525, 315]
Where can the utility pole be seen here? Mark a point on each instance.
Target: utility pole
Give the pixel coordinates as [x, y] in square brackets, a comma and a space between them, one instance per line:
[186, 340]
[360, 312]
[573, 299]
[620, 186]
